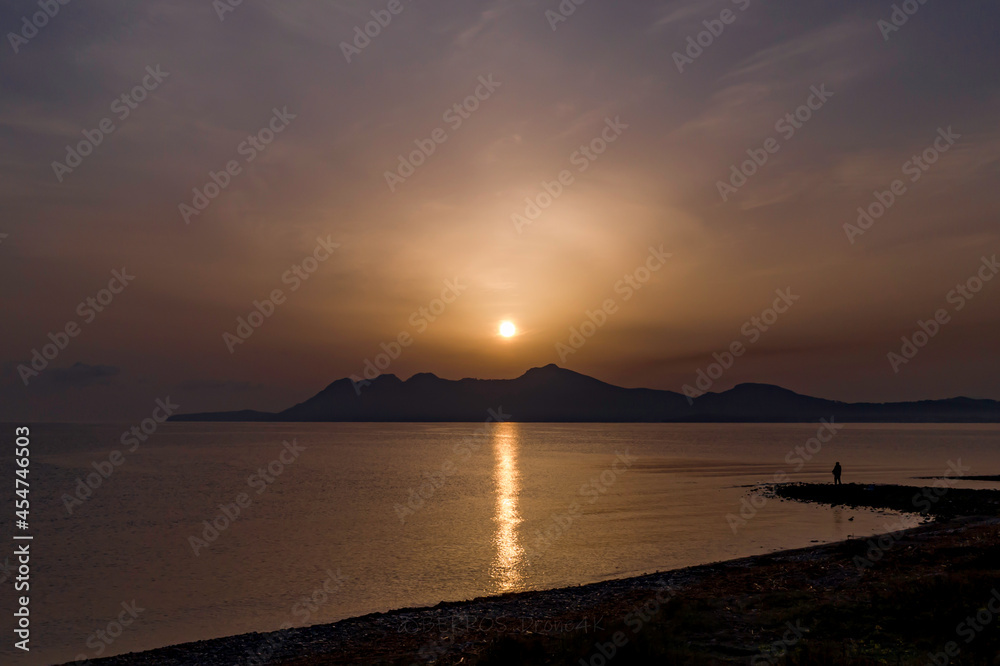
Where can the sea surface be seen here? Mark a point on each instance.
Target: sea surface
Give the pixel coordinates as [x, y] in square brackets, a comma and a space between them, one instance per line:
[339, 520]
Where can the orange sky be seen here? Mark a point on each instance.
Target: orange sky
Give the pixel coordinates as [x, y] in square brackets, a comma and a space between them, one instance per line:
[591, 121]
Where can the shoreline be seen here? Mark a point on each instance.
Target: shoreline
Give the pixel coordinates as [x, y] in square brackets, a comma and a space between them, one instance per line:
[806, 601]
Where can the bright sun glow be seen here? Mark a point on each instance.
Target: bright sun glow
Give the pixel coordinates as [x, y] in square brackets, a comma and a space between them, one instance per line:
[507, 329]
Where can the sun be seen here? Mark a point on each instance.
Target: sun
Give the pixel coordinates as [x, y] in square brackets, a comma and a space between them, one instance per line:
[507, 329]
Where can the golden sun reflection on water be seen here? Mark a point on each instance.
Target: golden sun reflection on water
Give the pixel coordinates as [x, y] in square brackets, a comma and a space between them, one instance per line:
[507, 572]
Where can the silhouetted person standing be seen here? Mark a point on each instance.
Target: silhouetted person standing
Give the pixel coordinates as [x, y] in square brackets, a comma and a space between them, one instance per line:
[836, 474]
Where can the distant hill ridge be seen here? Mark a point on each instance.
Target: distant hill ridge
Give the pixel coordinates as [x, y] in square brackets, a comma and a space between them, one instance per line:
[555, 394]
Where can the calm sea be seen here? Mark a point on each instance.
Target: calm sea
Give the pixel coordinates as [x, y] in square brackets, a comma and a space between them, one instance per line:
[394, 515]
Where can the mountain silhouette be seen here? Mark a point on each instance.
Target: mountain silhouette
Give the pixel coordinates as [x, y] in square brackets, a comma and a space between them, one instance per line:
[555, 394]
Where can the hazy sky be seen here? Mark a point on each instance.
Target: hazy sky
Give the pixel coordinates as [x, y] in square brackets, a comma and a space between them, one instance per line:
[593, 106]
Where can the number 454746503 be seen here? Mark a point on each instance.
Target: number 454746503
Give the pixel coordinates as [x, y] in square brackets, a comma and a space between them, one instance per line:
[21, 454]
